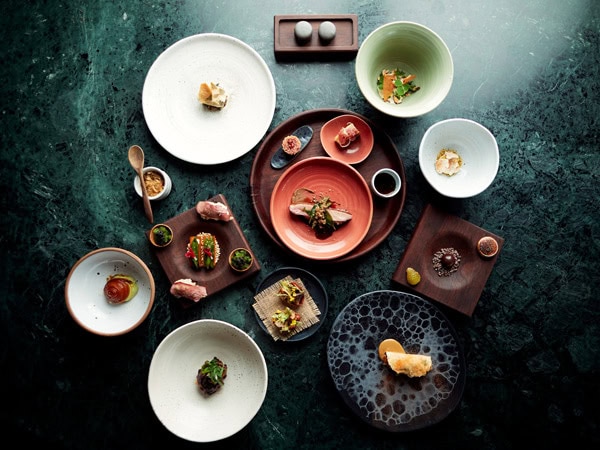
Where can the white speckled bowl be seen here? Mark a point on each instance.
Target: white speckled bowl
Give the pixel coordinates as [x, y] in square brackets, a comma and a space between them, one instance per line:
[478, 149]
[176, 397]
[84, 292]
[415, 49]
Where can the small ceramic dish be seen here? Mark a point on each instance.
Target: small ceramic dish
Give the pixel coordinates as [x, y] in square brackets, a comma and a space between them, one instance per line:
[477, 149]
[84, 292]
[386, 183]
[161, 183]
[358, 150]
[161, 235]
[240, 259]
[176, 397]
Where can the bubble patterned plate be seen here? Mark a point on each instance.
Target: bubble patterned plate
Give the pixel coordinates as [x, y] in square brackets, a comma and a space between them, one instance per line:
[374, 392]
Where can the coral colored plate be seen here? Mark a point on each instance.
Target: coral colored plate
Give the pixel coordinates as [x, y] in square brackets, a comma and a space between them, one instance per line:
[330, 177]
[358, 150]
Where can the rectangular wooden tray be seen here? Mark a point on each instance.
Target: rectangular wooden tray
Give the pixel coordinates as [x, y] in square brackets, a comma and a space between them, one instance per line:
[435, 230]
[343, 46]
[229, 236]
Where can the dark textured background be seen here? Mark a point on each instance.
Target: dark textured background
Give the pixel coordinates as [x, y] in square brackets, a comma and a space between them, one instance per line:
[72, 75]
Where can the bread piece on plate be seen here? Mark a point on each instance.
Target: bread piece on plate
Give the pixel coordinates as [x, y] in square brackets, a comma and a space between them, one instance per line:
[408, 364]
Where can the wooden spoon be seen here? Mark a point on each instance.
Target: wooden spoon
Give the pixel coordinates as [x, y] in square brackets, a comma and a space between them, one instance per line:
[136, 159]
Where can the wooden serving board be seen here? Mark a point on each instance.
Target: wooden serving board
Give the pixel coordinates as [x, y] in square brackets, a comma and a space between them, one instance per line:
[343, 46]
[229, 235]
[435, 230]
[386, 212]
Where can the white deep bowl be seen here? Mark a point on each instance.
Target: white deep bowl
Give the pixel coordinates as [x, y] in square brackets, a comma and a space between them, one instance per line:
[476, 146]
[84, 292]
[175, 396]
[415, 49]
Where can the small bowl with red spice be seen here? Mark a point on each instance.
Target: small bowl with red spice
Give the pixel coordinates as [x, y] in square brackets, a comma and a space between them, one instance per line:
[158, 183]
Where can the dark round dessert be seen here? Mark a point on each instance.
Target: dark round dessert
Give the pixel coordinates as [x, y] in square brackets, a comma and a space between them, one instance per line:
[448, 260]
[487, 246]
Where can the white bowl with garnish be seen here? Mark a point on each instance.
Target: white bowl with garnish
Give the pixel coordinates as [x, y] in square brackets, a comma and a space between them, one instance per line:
[413, 49]
[176, 397]
[86, 299]
[477, 152]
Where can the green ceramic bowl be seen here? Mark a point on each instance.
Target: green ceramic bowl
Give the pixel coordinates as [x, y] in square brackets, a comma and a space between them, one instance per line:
[414, 49]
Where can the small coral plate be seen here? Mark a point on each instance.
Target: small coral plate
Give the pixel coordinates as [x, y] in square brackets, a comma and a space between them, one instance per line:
[358, 150]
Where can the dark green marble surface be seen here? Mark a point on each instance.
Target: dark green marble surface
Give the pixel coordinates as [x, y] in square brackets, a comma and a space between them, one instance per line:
[72, 75]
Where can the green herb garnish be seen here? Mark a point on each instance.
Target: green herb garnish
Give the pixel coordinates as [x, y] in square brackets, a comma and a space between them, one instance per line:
[213, 369]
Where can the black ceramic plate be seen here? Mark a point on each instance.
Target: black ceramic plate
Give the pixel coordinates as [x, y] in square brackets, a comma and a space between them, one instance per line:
[313, 286]
[372, 390]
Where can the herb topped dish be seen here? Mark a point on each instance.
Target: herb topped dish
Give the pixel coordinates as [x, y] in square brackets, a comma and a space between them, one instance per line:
[240, 259]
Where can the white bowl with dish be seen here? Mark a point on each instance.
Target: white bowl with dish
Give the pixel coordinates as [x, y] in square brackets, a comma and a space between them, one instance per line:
[176, 397]
[86, 300]
[413, 49]
[476, 148]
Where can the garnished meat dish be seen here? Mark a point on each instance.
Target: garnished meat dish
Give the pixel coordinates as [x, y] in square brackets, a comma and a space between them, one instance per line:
[211, 375]
[347, 135]
[323, 214]
[203, 251]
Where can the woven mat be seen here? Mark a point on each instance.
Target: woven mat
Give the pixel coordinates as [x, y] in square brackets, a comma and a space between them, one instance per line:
[267, 302]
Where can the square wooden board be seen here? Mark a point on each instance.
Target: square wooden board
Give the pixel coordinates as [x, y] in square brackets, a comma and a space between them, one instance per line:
[229, 235]
[435, 230]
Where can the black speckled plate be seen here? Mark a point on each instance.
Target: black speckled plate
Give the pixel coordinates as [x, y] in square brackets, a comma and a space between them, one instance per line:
[313, 286]
[372, 390]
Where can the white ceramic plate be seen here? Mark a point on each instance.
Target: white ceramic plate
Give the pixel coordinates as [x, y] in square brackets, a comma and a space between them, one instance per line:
[84, 292]
[183, 126]
[175, 396]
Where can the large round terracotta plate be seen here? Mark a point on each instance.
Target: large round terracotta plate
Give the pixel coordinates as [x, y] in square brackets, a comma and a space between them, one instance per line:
[375, 393]
[263, 177]
[326, 177]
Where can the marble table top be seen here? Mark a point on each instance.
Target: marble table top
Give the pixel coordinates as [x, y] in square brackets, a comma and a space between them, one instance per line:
[72, 79]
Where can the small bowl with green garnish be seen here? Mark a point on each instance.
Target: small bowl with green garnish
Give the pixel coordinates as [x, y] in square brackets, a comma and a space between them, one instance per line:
[404, 69]
[241, 259]
[161, 235]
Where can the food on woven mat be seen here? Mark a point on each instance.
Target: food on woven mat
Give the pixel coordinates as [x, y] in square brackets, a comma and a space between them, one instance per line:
[347, 135]
[203, 251]
[213, 211]
[211, 375]
[291, 144]
[187, 288]
[324, 215]
[395, 85]
[120, 288]
[212, 96]
[285, 319]
[291, 292]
